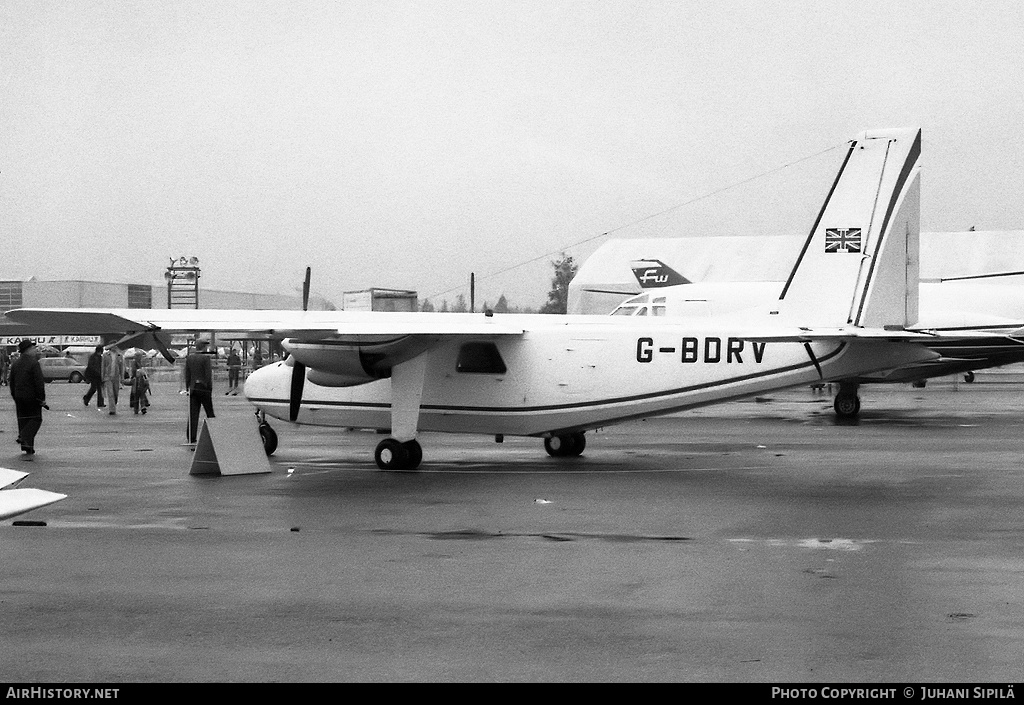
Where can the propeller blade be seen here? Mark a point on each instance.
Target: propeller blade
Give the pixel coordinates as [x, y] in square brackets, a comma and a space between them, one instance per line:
[305, 290]
[298, 369]
[295, 398]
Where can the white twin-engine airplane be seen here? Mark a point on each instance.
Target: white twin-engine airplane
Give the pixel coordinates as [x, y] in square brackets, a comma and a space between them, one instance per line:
[843, 313]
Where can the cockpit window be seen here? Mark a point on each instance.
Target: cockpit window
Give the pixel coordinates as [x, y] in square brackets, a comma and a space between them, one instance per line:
[624, 310]
[480, 358]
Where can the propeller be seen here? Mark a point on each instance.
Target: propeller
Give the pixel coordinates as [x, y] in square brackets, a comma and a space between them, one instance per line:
[298, 369]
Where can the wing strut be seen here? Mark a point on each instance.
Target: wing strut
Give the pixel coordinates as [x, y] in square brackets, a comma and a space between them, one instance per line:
[406, 396]
[810, 354]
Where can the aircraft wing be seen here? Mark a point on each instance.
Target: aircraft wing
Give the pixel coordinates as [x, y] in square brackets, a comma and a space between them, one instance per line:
[15, 502]
[18, 501]
[69, 321]
[305, 325]
[10, 477]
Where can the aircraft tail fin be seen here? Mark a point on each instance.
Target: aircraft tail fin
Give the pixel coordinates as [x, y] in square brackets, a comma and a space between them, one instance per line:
[654, 274]
[860, 263]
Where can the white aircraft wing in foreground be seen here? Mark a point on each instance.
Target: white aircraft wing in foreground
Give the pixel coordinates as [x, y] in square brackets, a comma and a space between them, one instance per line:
[558, 376]
[18, 501]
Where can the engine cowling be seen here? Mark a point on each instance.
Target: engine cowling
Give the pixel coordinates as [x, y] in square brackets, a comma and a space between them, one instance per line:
[334, 379]
[345, 364]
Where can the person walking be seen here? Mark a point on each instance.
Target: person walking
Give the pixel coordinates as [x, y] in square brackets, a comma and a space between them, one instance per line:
[198, 386]
[140, 386]
[234, 372]
[29, 391]
[94, 376]
[112, 373]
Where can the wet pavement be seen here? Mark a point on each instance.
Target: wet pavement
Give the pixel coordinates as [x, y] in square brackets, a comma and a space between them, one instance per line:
[754, 541]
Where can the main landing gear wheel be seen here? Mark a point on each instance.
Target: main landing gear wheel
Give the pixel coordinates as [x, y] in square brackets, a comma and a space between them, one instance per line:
[392, 454]
[567, 446]
[269, 438]
[847, 406]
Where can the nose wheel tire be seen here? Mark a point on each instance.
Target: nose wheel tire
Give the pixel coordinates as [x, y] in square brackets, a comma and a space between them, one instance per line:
[567, 446]
[269, 438]
[392, 454]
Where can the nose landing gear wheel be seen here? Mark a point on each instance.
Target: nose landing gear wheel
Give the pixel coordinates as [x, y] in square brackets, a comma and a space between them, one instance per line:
[269, 438]
[567, 446]
[392, 454]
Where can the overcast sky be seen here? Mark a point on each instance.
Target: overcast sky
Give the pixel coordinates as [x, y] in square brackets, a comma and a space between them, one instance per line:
[407, 144]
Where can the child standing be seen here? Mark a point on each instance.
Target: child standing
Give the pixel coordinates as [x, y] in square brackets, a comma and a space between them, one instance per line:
[140, 389]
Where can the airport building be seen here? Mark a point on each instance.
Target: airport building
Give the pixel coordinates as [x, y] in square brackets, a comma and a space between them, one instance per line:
[34, 293]
[177, 292]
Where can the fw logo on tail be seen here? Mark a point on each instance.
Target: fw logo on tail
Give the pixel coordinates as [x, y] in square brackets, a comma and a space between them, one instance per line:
[654, 274]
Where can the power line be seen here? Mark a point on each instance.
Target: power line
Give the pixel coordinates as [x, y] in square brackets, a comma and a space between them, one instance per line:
[690, 202]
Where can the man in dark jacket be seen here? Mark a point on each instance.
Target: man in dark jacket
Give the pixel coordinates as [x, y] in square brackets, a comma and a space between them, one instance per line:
[29, 391]
[199, 386]
[94, 376]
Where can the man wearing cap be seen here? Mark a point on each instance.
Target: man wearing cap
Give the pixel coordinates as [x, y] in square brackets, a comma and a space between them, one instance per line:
[29, 391]
[199, 386]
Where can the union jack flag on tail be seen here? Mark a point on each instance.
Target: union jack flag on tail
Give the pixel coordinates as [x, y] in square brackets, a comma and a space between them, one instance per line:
[842, 240]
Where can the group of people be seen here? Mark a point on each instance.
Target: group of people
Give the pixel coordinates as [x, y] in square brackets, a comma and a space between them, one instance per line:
[106, 372]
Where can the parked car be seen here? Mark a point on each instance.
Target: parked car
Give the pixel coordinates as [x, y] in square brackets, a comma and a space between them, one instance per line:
[62, 368]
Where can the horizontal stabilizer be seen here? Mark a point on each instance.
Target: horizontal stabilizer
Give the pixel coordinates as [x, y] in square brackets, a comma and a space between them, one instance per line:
[840, 334]
[15, 502]
[990, 275]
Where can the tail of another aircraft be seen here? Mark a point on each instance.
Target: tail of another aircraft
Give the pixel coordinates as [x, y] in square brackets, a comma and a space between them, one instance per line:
[654, 274]
[860, 264]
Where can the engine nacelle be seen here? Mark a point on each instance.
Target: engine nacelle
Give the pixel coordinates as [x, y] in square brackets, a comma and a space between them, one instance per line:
[333, 363]
[334, 379]
[334, 366]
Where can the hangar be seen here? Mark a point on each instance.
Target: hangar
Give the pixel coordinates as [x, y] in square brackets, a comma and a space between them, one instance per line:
[606, 278]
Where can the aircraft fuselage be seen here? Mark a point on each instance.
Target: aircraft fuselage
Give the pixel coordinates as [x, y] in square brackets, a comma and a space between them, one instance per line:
[558, 377]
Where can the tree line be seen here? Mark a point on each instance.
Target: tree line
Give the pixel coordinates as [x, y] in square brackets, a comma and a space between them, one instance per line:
[565, 269]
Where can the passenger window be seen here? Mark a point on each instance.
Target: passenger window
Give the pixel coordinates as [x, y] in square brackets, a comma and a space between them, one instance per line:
[480, 358]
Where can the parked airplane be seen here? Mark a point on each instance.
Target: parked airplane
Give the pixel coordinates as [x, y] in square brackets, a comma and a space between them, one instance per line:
[977, 325]
[841, 314]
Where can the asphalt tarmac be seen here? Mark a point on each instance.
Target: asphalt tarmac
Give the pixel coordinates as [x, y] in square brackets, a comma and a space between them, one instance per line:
[757, 541]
